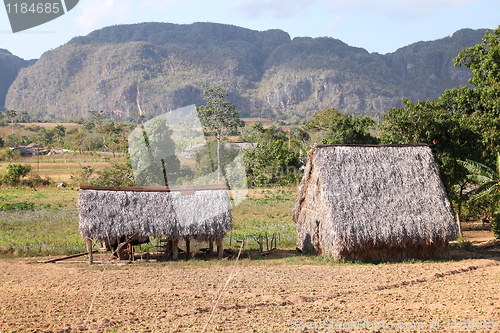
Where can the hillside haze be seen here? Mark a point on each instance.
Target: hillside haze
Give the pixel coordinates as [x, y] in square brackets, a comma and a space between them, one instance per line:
[149, 68]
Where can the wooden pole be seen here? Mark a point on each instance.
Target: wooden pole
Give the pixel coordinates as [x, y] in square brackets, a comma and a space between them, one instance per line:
[220, 247]
[211, 245]
[168, 249]
[88, 242]
[175, 249]
[64, 258]
[188, 248]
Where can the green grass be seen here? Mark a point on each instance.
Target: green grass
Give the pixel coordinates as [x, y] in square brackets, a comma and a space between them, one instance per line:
[265, 212]
[43, 197]
[40, 232]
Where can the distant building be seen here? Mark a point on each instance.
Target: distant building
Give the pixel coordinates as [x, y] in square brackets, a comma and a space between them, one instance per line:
[31, 149]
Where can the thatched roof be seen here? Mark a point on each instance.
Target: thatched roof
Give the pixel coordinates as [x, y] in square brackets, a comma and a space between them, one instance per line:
[373, 202]
[199, 214]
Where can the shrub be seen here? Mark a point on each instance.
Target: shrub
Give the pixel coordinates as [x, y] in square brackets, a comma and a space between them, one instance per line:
[14, 173]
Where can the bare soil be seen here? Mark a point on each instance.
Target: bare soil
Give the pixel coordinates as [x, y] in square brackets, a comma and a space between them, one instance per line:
[264, 296]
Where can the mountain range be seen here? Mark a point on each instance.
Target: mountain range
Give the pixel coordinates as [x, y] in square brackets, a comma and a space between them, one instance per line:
[149, 68]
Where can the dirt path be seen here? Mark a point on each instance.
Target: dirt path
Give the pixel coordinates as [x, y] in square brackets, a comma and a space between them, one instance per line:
[178, 297]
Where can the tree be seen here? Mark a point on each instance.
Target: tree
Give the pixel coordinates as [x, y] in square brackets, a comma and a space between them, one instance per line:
[24, 117]
[115, 175]
[97, 118]
[116, 136]
[450, 135]
[484, 62]
[349, 130]
[270, 161]
[481, 103]
[12, 115]
[152, 154]
[59, 131]
[79, 138]
[218, 117]
[488, 180]
[204, 158]
[15, 172]
[324, 119]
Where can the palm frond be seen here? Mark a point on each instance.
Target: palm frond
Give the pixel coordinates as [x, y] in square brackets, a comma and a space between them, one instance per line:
[480, 179]
[475, 193]
[478, 169]
[493, 191]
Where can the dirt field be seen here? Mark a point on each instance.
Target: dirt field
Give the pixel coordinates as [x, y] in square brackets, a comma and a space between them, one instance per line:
[263, 296]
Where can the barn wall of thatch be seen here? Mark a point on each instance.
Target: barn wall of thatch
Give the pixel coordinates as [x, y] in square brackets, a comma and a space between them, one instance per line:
[110, 214]
[373, 203]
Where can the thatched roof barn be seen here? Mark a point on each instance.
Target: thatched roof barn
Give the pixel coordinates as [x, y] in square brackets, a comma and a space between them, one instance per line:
[202, 213]
[365, 202]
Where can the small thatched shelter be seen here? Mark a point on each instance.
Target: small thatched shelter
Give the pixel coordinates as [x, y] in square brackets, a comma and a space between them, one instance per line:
[366, 202]
[200, 213]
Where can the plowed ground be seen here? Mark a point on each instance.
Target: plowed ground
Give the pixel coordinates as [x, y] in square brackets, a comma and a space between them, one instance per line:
[265, 296]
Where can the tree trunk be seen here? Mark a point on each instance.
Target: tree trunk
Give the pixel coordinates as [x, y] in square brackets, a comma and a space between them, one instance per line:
[459, 209]
[218, 159]
[88, 243]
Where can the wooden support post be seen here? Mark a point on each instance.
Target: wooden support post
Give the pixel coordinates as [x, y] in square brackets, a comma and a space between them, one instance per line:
[175, 249]
[168, 249]
[220, 247]
[88, 242]
[188, 248]
[210, 245]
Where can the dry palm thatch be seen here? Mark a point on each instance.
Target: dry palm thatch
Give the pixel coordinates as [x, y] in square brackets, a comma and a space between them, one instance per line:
[365, 202]
[106, 213]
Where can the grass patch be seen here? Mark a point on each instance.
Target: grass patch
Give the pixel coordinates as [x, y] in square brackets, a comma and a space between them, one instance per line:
[40, 232]
[462, 243]
[43, 197]
[264, 212]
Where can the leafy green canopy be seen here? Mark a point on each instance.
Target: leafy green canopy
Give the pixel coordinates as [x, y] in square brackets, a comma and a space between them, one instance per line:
[272, 160]
[349, 130]
[153, 154]
[218, 117]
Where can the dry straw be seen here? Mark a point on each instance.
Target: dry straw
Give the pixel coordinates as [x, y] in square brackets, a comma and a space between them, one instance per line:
[364, 202]
[204, 215]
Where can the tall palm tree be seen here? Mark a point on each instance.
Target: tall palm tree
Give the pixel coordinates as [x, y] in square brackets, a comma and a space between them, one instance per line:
[12, 114]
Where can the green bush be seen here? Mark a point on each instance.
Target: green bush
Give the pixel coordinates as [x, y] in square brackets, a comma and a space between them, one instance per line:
[14, 173]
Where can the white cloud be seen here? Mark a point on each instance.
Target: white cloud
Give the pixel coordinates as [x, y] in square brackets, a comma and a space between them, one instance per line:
[93, 13]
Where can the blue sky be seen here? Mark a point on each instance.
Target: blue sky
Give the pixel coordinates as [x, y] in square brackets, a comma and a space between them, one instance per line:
[376, 25]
